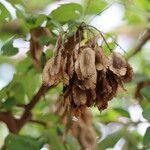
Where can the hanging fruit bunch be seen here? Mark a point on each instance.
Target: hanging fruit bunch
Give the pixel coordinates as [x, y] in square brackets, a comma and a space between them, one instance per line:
[89, 76]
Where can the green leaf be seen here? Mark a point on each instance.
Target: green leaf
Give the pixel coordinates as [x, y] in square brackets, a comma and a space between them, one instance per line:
[31, 20]
[67, 12]
[122, 112]
[35, 21]
[146, 139]
[143, 4]
[30, 82]
[72, 143]
[133, 17]
[4, 13]
[14, 2]
[111, 140]
[146, 114]
[146, 92]
[113, 115]
[44, 40]
[55, 142]
[94, 6]
[8, 49]
[18, 92]
[16, 142]
[134, 137]
[9, 103]
[15, 89]
[24, 65]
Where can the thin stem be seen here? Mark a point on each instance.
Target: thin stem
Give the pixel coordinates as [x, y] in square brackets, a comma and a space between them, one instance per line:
[101, 36]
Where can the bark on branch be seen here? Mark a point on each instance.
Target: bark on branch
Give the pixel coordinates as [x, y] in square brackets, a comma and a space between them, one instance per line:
[15, 125]
[142, 42]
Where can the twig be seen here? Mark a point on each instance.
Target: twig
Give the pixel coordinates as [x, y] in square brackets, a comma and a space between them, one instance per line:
[141, 43]
[14, 125]
[7, 118]
[28, 108]
[101, 36]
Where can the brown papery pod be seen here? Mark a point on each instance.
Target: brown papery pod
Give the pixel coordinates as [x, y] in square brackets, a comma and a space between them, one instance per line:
[101, 61]
[87, 62]
[53, 66]
[118, 64]
[129, 74]
[79, 96]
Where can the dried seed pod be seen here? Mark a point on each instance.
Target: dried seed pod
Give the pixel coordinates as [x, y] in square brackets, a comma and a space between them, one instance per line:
[118, 64]
[79, 96]
[52, 69]
[87, 62]
[129, 74]
[78, 70]
[65, 76]
[45, 75]
[87, 138]
[101, 61]
[90, 78]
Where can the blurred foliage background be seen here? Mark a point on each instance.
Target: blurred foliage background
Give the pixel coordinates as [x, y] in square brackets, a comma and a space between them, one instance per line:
[125, 125]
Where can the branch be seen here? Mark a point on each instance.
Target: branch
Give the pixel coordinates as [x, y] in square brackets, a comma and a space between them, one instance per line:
[28, 108]
[9, 120]
[142, 42]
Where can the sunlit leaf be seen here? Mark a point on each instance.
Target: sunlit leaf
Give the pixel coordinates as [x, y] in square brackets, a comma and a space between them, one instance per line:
[122, 112]
[143, 4]
[18, 92]
[8, 49]
[94, 6]
[133, 17]
[67, 12]
[111, 140]
[30, 82]
[4, 13]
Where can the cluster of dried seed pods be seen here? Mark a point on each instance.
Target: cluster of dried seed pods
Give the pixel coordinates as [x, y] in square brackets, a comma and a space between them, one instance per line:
[90, 77]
